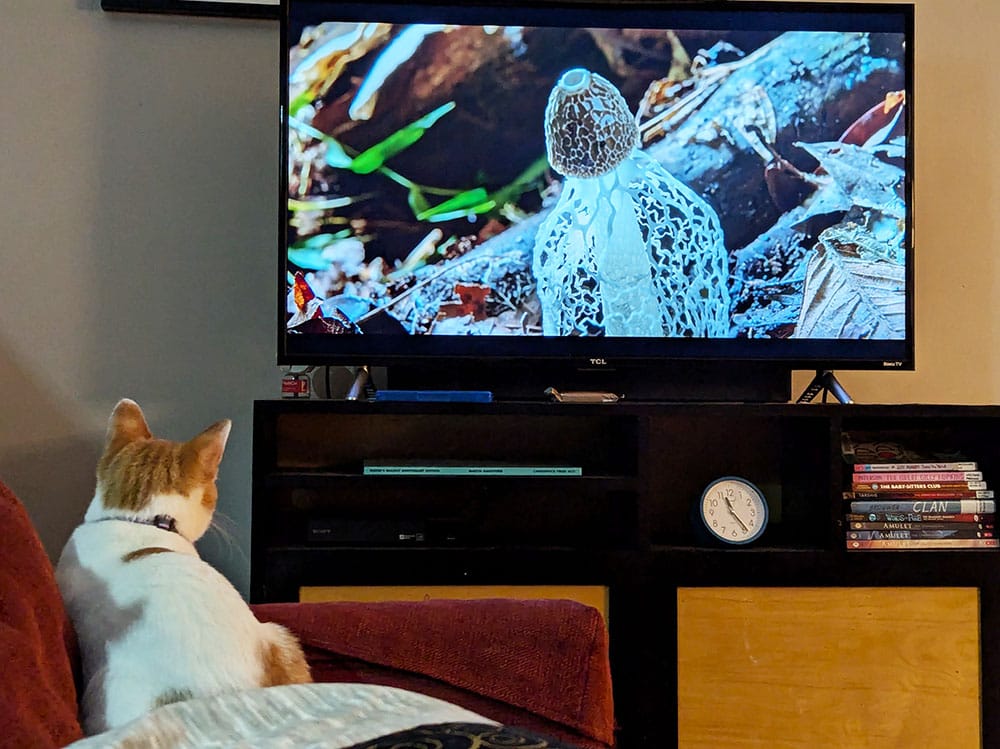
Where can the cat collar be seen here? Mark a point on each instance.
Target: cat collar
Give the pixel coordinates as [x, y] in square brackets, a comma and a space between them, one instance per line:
[164, 522]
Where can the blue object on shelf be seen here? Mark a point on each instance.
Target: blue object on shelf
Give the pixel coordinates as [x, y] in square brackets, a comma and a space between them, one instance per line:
[459, 396]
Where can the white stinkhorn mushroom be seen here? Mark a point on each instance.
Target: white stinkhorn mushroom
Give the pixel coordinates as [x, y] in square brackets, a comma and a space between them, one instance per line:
[628, 250]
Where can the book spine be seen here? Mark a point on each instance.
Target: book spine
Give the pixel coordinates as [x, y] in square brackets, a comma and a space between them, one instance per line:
[918, 494]
[468, 471]
[962, 533]
[923, 543]
[890, 476]
[919, 517]
[909, 486]
[934, 506]
[920, 525]
[955, 465]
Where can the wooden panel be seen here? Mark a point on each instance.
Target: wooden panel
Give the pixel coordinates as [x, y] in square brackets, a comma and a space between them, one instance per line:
[828, 667]
[590, 595]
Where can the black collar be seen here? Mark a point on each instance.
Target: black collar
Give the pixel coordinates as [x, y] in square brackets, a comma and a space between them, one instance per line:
[164, 522]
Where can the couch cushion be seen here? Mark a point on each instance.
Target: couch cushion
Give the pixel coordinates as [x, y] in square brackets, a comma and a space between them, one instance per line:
[549, 658]
[37, 695]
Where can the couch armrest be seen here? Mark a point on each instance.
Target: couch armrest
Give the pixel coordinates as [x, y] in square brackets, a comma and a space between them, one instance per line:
[37, 693]
[549, 657]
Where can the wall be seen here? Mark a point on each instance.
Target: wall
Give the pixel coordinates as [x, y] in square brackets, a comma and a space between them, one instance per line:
[138, 230]
[139, 161]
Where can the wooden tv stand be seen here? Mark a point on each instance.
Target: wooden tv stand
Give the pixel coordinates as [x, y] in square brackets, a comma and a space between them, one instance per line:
[792, 641]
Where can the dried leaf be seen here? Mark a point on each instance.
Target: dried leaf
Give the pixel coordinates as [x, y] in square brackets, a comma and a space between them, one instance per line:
[875, 126]
[849, 297]
[472, 302]
[869, 181]
[303, 293]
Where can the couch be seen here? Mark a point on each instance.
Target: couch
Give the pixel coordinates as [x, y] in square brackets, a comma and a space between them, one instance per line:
[539, 665]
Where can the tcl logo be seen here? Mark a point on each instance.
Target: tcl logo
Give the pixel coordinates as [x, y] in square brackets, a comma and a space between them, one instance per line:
[599, 362]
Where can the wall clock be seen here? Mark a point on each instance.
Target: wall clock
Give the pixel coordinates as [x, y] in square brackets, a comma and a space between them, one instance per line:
[733, 510]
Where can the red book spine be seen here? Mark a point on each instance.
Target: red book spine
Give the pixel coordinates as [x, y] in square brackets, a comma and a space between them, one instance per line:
[909, 476]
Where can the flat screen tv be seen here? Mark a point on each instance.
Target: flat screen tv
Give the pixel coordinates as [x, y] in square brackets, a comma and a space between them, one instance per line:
[675, 197]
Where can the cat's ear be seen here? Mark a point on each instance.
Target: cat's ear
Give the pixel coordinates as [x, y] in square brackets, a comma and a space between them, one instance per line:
[127, 424]
[206, 449]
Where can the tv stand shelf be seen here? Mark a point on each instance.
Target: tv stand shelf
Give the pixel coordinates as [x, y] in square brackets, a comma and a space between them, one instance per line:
[624, 523]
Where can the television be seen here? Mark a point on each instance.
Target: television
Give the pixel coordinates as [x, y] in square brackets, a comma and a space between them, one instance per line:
[674, 200]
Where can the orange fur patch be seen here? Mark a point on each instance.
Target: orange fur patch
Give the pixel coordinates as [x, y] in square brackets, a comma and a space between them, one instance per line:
[145, 552]
[173, 695]
[136, 466]
[284, 663]
[141, 469]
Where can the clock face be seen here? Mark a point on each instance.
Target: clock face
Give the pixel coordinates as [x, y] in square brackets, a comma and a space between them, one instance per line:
[733, 510]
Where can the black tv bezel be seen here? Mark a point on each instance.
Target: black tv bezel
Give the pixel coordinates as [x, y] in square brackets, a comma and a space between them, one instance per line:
[432, 352]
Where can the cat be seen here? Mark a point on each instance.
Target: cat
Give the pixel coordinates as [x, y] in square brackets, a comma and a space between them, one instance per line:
[156, 624]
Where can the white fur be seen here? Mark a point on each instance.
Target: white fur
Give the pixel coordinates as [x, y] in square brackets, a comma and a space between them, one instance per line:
[160, 624]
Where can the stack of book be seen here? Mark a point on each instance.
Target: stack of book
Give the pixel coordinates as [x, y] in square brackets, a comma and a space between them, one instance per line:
[920, 505]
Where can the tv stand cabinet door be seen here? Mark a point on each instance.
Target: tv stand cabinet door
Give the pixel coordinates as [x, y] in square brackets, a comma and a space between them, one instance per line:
[820, 668]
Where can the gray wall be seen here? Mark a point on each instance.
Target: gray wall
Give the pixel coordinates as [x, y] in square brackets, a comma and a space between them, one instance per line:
[138, 160]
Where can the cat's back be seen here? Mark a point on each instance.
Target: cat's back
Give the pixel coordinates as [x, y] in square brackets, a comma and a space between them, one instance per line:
[153, 620]
[133, 562]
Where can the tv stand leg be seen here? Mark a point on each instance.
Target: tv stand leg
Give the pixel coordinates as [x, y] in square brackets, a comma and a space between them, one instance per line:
[361, 385]
[824, 382]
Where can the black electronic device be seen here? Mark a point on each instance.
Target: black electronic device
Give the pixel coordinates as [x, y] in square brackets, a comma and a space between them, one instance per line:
[451, 210]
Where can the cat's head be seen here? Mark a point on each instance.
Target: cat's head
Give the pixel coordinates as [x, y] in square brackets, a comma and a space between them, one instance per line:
[140, 476]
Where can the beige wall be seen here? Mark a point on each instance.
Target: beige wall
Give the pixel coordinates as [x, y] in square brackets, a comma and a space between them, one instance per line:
[137, 169]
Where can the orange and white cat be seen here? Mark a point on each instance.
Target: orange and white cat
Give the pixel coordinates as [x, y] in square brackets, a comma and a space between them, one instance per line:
[157, 624]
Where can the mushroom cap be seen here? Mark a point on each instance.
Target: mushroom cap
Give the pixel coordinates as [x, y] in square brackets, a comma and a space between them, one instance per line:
[589, 129]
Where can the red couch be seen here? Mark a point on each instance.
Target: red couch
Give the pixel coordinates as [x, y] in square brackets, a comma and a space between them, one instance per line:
[541, 665]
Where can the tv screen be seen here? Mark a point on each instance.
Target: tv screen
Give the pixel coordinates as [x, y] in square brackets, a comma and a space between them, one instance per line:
[640, 182]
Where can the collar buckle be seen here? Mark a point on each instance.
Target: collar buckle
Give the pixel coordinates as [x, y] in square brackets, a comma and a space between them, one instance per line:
[165, 522]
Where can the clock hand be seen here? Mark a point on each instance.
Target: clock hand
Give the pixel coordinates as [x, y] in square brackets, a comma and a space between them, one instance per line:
[732, 511]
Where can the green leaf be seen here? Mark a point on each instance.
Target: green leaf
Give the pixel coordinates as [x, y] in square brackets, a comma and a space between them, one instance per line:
[522, 182]
[461, 203]
[484, 207]
[373, 158]
[298, 102]
[322, 204]
[316, 241]
[418, 203]
[308, 259]
[336, 156]
[308, 253]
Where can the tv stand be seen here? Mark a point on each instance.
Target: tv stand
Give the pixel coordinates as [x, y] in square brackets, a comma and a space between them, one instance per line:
[824, 382]
[793, 613]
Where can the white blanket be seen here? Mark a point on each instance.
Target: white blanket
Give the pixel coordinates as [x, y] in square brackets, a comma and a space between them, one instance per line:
[299, 716]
